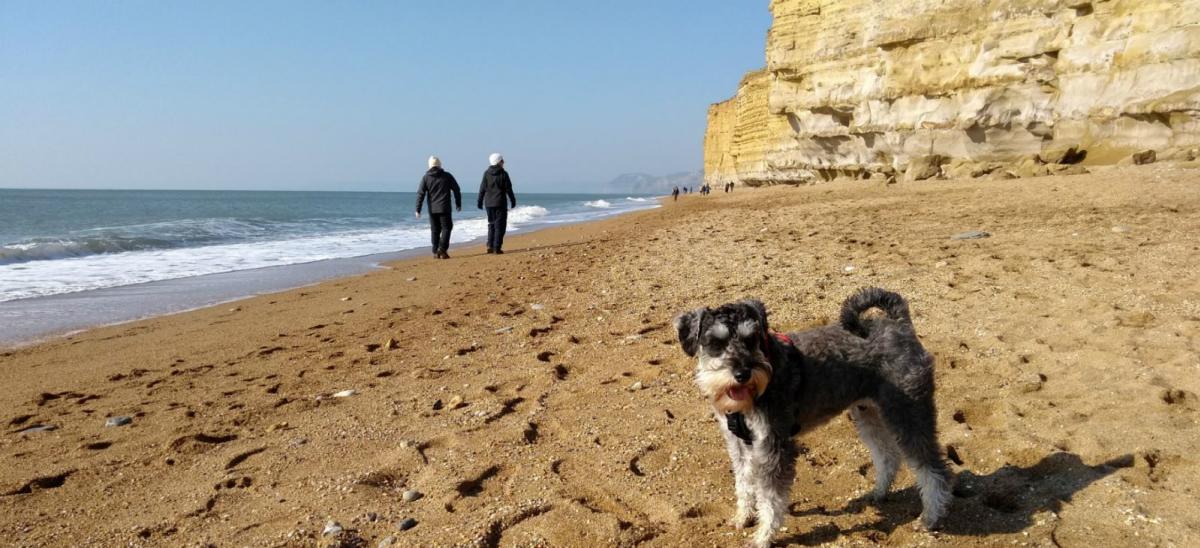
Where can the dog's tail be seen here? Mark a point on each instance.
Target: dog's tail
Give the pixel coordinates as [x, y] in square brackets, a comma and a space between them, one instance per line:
[872, 297]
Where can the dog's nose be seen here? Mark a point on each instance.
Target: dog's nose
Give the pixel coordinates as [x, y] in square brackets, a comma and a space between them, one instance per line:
[741, 375]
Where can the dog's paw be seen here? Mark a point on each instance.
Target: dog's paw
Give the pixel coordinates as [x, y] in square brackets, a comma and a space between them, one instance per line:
[741, 520]
[927, 523]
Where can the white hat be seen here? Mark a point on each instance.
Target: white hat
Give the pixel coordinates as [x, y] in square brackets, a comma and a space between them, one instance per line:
[434, 161]
[495, 159]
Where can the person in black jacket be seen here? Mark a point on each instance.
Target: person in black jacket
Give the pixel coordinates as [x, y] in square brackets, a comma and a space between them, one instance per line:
[438, 184]
[493, 191]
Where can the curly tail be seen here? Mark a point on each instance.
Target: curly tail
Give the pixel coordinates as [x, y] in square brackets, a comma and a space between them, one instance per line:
[872, 297]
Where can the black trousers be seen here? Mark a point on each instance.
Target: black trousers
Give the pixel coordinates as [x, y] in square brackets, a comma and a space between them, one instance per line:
[440, 225]
[497, 224]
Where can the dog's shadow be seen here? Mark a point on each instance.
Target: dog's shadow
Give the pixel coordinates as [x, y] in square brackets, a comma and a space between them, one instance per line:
[1004, 501]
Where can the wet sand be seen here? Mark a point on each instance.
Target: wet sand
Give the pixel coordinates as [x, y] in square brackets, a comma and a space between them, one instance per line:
[540, 397]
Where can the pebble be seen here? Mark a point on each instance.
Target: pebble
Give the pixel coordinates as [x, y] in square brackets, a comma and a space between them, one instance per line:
[1120, 229]
[391, 344]
[344, 299]
[940, 264]
[411, 495]
[344, 394]
[1030, 382]
[387, 542]
[407, 524]
[636, 386]
[971, 235]
[277, 426]
[118, 421]
[503, 330]
[332, 528]
[437, 405]
[455, 402]
[536, 306]
[849, 268]
[39, 428]
[412, 278]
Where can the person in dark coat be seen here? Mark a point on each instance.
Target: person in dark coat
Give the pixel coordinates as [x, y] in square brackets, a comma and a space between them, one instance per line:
[438, 184]
[496, 194]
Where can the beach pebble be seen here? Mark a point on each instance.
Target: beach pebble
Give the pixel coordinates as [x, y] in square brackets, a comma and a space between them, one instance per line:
[503, 330]
[1030, 382]
[344, 394]
[38, 428]
[536, 306]
[277, 426]
[387, 542]
[344, 299]
[940, 264]
[437, 405]
[411, 495]
[332, 528]
[849, 268]
[455, 402]
[971, 235]
[406, 524]
[1120, 229]
[412, 278]
[391, 344]
[118, 421]
[636, 386]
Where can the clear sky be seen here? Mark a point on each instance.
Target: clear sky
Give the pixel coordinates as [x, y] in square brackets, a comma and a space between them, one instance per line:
[356, 95]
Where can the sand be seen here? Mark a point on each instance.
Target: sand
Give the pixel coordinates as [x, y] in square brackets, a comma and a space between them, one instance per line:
[540, 397]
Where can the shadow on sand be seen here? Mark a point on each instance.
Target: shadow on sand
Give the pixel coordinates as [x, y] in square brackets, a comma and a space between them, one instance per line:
[1004, 501]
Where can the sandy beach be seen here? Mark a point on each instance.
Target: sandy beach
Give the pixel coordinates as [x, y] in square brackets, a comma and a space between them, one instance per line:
[541, 398]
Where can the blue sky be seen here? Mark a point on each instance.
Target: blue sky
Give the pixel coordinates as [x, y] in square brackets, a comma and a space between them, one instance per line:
[356, 95]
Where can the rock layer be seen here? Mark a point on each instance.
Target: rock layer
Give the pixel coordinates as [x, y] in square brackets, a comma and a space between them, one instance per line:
[861, 87]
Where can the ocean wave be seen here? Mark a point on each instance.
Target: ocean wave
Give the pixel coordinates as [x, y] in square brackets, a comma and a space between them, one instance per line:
[169, 235]
[125, 255]
[632, 199]
[525, 214]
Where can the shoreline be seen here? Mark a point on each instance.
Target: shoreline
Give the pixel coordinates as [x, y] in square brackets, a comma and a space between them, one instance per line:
[541, 398]
[94, 308]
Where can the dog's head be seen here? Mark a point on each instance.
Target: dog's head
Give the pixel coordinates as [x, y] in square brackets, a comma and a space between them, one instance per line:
[729, 340]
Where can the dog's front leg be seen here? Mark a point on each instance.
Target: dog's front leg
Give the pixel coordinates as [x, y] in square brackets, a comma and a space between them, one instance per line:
[743, 480]
[774, 463]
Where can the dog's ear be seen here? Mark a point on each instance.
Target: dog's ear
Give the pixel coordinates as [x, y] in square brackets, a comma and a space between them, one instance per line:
[760, 310]
[688, 326]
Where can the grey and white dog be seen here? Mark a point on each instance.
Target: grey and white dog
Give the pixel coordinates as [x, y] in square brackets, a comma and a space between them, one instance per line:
[766, 388]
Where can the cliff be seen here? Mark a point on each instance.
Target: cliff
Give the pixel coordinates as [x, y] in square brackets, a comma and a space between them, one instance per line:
[925, 88]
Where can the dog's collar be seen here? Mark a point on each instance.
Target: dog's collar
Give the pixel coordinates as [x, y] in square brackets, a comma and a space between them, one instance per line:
[738, 427]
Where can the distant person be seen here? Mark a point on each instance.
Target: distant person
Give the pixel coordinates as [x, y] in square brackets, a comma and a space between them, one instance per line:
[438, 184]
[493, 191]
[675, 193]
[731, 183]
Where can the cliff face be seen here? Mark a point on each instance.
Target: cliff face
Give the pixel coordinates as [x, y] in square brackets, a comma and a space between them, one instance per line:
[919, 88]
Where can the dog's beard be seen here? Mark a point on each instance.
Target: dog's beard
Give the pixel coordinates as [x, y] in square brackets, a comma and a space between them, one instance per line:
[726, 394]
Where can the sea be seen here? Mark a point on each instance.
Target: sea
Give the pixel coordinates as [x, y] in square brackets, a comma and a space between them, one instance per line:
[105, 256]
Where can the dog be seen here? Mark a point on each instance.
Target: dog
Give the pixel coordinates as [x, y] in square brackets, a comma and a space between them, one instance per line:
[766, 388]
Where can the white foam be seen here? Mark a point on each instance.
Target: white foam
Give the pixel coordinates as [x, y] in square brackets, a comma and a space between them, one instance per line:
[35, 278]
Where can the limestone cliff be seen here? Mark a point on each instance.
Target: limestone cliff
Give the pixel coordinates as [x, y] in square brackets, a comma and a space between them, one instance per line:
[960, 87]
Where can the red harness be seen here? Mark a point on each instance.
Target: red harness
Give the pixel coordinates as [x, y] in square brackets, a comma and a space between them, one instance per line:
[778, 336]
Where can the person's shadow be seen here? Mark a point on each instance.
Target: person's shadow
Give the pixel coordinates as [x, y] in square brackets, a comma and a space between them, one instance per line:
[1004, 501]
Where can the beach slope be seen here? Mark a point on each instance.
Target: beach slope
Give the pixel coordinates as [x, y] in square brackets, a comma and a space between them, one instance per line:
[541, 396]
